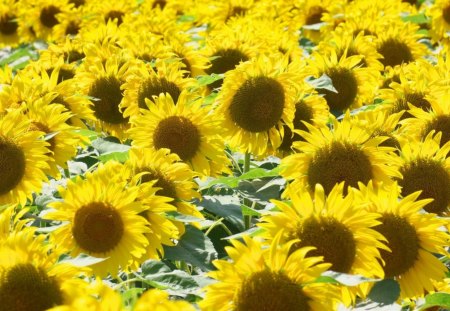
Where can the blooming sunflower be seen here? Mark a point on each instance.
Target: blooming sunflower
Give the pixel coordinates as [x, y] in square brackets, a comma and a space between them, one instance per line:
[186, 128]
[43, 16]
[101, 218]
[23, 159]
[102, 82]
[398, 43]
[51, 120]
[158, 300]
[440, 18]
[30, 277]
[346, 153]
[436, 119]
[414, 238]
[70, 50]
[272, 278]
[164, 170]
[335, 226]
[354, 84]
[311, 108]
[103, 12]
[256, 99]
[146, 46]
[425, 167]
[9, 26]
[70, 24]
[146, 82]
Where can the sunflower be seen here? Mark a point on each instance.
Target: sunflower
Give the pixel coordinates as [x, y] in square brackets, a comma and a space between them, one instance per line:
[311, 108]
[23, 159]
[51, 120]
[102, 82]
[425, 167]
[43, 15]
[158, 300]
[186, 128]
[9, 25]
[414, 238]
[146, 82]
[335, 226]
[346, 153]
[256, 99]
[30, 276]
[163, 170]
[273, 278]
[101, 218]
[71, 50]
[440, 18]
[147, 46]
[354, 84]
[70, 24]
[436, 119]
[398, 42]
[104, 12]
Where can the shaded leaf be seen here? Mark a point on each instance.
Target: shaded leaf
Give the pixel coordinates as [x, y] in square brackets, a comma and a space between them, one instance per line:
[385, 292]
[436, 300]
[323, 82]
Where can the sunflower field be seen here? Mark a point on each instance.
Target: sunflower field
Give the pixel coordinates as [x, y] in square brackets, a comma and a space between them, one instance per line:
[224, 155]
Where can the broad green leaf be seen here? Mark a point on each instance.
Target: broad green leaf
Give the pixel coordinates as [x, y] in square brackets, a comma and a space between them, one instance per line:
[83, 260]
[248, 211]
[323, 82]
[117, 156]
[194, 248]
[176, 280]
[226, 206]
[91, 135]
[130, 296]
[385, 292]
[173, 215]
[154, 266]
[108, 149]
[416, 19]
[250, 232]
[436, 300]
[208, 79]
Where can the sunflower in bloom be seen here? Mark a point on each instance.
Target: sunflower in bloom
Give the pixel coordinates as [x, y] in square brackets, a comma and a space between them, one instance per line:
[51, 120]
[354, 84]
[335, 226]
[186, 128]
[425, 167]
[398, 43]
[146, 82]
[435, 119]
[9, 26]
[256, 99]
[158, 300]
[30, 276]
[273, 278]
[23, 159]
[414, 238]
[440, 18]
[102, 82]
[104, 12]
[310, 108]
[346, 153]
[101, 218]
[70, 49]
[43, 16]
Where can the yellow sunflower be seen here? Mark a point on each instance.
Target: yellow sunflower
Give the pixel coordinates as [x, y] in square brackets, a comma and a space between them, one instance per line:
[398, 42]
[103, 82]
[414, 238]
[147, 46]
[256, 99]
[158, 300]
[71, 50]
[440, 18]
[354, 84]
[101, 218]
[346, 153]
[23, 159]
[437, 119]
[311, 108]
[146, 82]
[425, 167]
[165, 171]
[70, 24]
[103, 12]
[30, 276]
[186, 128]
[339, 230]
[43, 15]
[9, 24]
[51, 120]
[273, 278]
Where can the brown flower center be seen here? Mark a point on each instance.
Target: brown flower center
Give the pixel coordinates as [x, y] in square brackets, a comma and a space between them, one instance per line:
[440, 123]
[395, 52]
[154, 87]
[8, 25]
[225, 60]
[48, 16]
[12, 165]
[345, 83]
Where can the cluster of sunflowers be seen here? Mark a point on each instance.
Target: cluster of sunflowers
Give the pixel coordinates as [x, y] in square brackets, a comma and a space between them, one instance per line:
[349, 99]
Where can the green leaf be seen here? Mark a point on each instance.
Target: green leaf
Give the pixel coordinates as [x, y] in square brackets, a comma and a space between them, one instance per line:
[416, 19]
[174, 215]
[226, 206]
[348, 279]
[248, 211]
[117, 156]
[130, 296]
[109, 149]
[385, 292]
[91, 135]
[436, 300]
[194, 248]
[154, 266]
[83, 260]
[323, 82]
[176, 280]
[208, 79]
[233, 182]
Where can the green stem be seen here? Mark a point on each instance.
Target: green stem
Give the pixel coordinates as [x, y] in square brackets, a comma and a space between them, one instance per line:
[246, 162]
